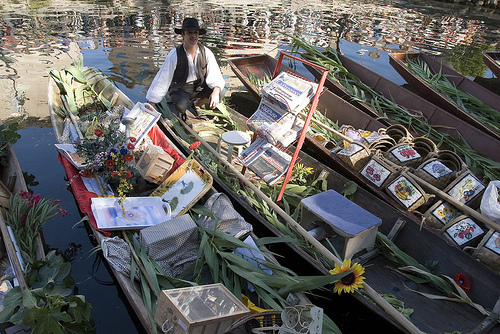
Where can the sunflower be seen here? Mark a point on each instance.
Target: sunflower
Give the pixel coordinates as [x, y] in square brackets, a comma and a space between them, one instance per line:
[350, 282]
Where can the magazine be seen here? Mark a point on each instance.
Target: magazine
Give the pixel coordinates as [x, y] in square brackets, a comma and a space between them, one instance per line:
[69, 152]
[139, 212]
[290, 92]
[144, 117]
[265, 160]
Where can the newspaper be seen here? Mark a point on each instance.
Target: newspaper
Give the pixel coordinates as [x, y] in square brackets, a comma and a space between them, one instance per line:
[272, 123]
[265, 160]
[290, 92]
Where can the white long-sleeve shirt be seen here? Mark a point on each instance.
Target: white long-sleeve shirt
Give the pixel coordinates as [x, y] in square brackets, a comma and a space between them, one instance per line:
[161, 83]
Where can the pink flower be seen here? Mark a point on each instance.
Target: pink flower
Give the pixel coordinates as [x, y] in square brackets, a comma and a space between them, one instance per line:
[63, 212]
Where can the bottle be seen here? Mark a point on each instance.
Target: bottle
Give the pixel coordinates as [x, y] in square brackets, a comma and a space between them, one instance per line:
[73, 135]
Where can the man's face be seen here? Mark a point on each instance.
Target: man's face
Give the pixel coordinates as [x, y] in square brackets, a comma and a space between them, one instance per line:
[190, 37]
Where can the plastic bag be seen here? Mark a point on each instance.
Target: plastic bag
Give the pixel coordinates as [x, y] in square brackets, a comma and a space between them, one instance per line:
[490, 207]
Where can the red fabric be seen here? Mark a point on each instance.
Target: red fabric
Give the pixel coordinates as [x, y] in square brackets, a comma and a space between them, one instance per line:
[83, 196]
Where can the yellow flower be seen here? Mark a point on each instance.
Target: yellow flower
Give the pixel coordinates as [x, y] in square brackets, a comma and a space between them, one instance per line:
[351, 281]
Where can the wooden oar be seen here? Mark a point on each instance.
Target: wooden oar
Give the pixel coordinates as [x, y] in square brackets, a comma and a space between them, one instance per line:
[396, 315]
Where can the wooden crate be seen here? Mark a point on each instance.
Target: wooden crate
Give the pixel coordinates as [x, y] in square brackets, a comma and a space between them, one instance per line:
[200, 309]
[154, 164]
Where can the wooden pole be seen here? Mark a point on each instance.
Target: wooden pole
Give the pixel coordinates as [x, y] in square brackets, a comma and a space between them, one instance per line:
[407, 324]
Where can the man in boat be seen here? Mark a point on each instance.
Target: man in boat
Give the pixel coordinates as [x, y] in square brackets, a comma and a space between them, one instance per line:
[190, 72]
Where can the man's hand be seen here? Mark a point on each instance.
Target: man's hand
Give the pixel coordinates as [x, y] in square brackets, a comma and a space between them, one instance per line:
[214, 98]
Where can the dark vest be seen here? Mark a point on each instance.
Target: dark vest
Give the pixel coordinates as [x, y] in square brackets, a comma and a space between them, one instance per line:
[182, 69]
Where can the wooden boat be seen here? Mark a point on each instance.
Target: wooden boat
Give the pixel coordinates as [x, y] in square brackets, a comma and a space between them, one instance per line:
[397, 60]
[429, 316]
[492, 60]
[11, 183]
[330, 105]
[112, 93]
[436, 116]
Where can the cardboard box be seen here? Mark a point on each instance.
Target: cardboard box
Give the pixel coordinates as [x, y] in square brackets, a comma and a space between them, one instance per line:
[196, 310]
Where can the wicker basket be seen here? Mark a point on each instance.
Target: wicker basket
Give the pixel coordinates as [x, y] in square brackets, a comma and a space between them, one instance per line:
[403, 154]
[398, 132]
[378, 171]
[467, 189]
[452, 160]
[436, 173]
[407, 192]
[258, 320]
[355, 155]
[440, 214]
[488, 250]
[464, 231]
[376, 141]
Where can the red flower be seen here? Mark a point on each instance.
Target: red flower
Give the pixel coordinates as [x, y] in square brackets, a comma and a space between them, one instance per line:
[98, 132]
[129, 157]
[86, 173]
[63, 212]
[132, 139]
[114, 174]
[194, 145]
[130, 146]
[110, 163]
[127, 174]
[462, 281]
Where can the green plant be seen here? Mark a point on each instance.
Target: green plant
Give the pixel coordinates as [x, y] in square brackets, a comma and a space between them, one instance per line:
[47, 306]
[26, 215]
[77, 84]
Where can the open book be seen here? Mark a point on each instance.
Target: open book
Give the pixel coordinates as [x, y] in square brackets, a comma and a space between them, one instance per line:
[265, 160]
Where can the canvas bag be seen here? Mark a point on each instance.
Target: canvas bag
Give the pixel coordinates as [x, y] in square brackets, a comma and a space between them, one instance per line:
[172, 244]
[230, 221]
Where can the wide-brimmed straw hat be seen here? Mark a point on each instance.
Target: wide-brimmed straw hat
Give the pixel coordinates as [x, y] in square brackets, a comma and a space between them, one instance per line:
[190, 23]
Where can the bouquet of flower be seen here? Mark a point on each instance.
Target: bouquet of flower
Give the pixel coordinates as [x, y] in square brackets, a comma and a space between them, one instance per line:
[109, 153]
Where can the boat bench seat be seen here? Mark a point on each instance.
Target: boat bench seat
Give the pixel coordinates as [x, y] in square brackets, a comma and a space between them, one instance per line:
[349, 220]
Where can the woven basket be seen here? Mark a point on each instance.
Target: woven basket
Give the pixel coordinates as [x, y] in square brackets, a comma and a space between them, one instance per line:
[452, 160]
[355, 155]
[399, 133]
[377, 141]
[378, 171]
[467, 189]
[488, 250]
[403, 154]
[407, 192]
[436, 172]
[258, 320]
[440, 214]
[463, 231]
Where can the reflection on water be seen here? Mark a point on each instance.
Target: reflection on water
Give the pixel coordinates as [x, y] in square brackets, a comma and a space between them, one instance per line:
[130, 42]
